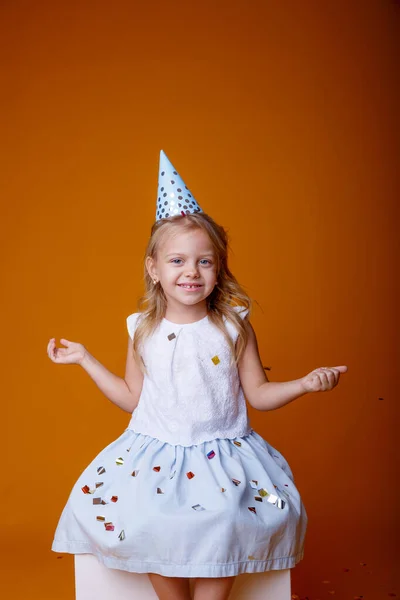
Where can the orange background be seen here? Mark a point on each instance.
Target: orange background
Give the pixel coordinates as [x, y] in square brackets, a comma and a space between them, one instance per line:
[281, 117]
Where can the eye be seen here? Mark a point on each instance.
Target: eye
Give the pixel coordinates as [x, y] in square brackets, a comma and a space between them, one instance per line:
[206, 260]
[176, 259]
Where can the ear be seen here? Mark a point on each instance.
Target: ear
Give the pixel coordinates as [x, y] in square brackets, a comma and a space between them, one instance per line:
[151, 267]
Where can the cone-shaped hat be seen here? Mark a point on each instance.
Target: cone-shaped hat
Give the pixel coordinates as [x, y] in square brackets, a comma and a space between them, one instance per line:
[174, 197]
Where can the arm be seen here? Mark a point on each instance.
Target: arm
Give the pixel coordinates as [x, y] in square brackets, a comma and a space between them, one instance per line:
[266, 395]
[125, 392]
[261, 393]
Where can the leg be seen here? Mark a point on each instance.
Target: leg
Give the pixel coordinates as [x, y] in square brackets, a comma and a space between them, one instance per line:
[170, 588]
[214, 588]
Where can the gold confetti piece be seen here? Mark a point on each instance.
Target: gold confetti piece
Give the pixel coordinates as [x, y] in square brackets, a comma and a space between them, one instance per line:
[172, 475]
[251, 557]
[120, 461]
[236, 481]
[190, 475]
[96, 500]
[135, 473]
[86, 489]
[159, 491]
[101, 470]
[100, 518]
[252, 509]
[198, 507]
[258, 498]
[157, 469]
[114, 498]
[237, 443]
[263, 492]
[122, 535]
[99, 484]
[171, 336]
[215, 360]
[254, 484]
[109, 526]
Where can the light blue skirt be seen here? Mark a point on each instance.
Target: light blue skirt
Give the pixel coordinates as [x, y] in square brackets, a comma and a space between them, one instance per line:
[215, 509]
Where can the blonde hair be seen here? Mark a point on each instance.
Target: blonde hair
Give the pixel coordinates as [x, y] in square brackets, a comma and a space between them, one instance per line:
[220, 303]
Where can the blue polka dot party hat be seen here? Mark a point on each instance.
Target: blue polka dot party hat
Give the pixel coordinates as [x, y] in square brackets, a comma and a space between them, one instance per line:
[174, 197]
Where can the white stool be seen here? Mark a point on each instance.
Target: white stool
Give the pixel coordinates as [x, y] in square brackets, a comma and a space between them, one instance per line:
[94, 581]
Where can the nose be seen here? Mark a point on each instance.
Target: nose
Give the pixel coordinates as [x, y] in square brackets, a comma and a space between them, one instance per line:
[191, 270]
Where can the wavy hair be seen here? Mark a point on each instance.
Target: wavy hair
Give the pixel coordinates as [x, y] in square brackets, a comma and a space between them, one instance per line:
[220, 303]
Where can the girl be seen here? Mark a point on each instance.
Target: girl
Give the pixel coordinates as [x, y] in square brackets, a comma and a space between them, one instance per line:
[189, 490]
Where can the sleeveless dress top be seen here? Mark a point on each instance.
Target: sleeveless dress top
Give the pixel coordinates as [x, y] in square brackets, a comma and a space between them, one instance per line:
[191, 393]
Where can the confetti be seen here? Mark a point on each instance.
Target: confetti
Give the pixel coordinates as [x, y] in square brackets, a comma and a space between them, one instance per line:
[97, 501]
[263, 492]
[198, 507]
[251, 557]
[120, 461]
[100, 518]
[190, 475]
[99, 484]
[135, 473]
[237, 443]
[215, 360]
[86, 489]
[211, 454]
[223, 489]
[122, 535]
[114, 498]
[236, 481]
[171, 336]
[101, 470]
[159, 491]
[252, 509]
[157, 469]
[254, 484]
[109, 526]
[258, 498]
[172, 475]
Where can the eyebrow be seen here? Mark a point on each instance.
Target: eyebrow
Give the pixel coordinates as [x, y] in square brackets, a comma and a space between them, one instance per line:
[185, 255]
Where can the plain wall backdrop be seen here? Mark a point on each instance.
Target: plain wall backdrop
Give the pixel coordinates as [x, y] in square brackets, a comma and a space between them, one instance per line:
[282, 118]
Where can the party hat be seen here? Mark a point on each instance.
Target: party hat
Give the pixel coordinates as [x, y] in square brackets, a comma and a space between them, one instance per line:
[174, 197]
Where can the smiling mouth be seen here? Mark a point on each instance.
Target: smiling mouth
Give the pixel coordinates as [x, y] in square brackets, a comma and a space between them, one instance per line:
[190, 286]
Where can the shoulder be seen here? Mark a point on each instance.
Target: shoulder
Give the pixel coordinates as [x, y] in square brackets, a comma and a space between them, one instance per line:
[132, 322]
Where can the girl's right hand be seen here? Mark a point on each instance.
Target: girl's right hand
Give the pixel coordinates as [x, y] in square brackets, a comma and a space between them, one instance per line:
[74, 353]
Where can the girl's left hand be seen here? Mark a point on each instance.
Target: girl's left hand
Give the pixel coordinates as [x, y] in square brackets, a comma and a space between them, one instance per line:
[322, 379]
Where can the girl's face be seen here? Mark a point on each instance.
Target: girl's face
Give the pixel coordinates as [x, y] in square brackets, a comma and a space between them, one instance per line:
[185, 267]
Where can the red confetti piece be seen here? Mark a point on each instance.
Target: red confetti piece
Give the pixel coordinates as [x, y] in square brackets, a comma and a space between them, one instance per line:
[109, 526]
[86, 489]
[157, 469]
[211, 454]
[190, 475]
[114, 498]
[252, 509]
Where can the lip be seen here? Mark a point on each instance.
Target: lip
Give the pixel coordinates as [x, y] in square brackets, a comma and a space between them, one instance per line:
[197, 286]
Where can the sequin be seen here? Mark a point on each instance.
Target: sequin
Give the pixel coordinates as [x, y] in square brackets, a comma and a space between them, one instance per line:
[236, 481]
[159, 491]
[252, 509]
[258, 498]
[211, 454]
[114, 498]
[263, 492]
[109, 526]
[122, 536]
[101, 470]
[100, 518]
[190, 475]
[99, 484]
[237, 443]
[223, 490]
[172, 475]
[254, 484]
[171, 336]
[198, 507]
[120, 461]
[156, 469]
[96, 500]
[215, 360]
[86, 489]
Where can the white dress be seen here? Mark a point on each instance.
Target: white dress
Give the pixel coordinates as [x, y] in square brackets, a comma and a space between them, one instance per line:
[189, 489]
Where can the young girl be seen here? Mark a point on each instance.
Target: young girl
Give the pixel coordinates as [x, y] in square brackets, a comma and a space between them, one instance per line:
[189, 490]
